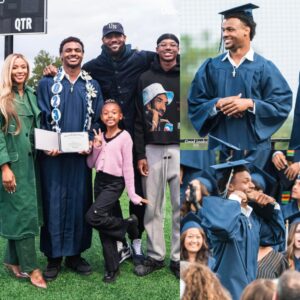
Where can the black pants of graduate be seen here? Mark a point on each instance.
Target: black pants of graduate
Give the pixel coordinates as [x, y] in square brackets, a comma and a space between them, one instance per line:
[102, 216]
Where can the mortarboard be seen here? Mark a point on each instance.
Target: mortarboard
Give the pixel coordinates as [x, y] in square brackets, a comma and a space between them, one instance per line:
[222, 143]
[228, 167]
[294, 218]
[208, 181]
[244, 9]
[265, 181]
[191, 220]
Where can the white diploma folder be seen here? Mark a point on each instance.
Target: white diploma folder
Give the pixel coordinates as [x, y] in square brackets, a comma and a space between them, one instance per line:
[66, 142]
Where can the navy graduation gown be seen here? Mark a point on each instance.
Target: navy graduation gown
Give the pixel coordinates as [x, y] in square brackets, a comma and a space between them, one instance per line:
[66, 179]
[295, 136]
[259, 80]
[235, 240]
[290, 209]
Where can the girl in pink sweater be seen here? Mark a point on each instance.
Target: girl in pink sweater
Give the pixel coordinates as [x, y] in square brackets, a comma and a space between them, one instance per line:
[112, 159]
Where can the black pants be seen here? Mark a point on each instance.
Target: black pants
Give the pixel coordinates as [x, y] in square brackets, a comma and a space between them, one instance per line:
[102, 216]
[138, 210]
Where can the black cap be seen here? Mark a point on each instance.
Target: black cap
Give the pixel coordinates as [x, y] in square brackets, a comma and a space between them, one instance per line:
[112, 27]
[167, 36]
[245, 9]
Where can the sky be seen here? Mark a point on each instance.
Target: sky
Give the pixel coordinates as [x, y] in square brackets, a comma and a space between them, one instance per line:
[277, 32]
[143, 21]
[277, 38]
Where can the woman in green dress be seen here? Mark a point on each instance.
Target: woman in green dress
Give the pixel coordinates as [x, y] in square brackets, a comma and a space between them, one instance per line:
[19, 202]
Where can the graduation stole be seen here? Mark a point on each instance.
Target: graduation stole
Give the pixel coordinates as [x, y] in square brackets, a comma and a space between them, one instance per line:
[56, 89]
[286, 195]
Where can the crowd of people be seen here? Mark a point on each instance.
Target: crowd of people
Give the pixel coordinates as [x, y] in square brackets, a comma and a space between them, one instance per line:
[128, 103]
[236, 219]
[235, 212]
[240, 203]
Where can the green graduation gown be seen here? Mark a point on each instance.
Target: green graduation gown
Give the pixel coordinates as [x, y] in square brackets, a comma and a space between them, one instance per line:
[20, 211]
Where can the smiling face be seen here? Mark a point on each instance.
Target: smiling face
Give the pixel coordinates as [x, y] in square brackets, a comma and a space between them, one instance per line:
[114, 42]
[236, 34]
[19, 73]
[111, 115]
[167, 50]
[241, 181]
[72, 55]
[193, 240]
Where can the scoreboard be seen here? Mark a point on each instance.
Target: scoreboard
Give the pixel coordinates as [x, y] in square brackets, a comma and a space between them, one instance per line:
[23, 16]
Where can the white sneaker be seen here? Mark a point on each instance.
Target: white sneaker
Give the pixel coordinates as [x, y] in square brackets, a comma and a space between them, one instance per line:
[124, 254]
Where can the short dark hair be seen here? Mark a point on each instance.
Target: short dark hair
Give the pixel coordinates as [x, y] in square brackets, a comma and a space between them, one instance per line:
[248, 21]
[111, 101]
[68, 40]
[222, 182]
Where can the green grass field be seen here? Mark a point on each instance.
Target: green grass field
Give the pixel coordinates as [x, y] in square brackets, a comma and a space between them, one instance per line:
[161, 284]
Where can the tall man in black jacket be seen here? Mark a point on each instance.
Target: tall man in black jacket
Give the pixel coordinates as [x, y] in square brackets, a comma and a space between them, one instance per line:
[117, 70]
[156, 139]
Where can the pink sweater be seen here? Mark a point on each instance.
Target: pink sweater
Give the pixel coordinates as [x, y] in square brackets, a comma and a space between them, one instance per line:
[115, 158]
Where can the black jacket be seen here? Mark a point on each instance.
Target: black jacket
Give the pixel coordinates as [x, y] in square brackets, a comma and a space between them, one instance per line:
[167, 131]
[118, 78]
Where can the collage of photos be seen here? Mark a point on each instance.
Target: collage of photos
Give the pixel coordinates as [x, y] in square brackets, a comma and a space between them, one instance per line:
[239, 151]
[150, 150]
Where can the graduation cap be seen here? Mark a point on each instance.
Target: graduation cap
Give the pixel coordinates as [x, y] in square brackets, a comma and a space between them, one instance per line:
[239, 11]
[191, 220]
[222, 143]
[263, 180]
[245, 9]
[227, 169]
[208, 181]
[294, 218]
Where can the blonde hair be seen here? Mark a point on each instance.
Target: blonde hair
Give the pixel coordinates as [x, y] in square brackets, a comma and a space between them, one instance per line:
[7, 96]
[291, 245]
[202, 283]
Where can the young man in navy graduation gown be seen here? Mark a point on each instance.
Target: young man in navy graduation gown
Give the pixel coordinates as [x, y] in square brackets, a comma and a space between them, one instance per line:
[239, 96]
[236, 230]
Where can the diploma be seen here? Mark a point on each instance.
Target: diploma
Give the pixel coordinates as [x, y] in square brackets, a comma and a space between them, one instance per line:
[74, 142]
[66, 142]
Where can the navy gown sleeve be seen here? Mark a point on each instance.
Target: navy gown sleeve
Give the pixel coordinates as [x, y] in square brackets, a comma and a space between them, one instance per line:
[272, 232]
[272, 109]
[295, 137]
[220, 217]
[201, 100]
